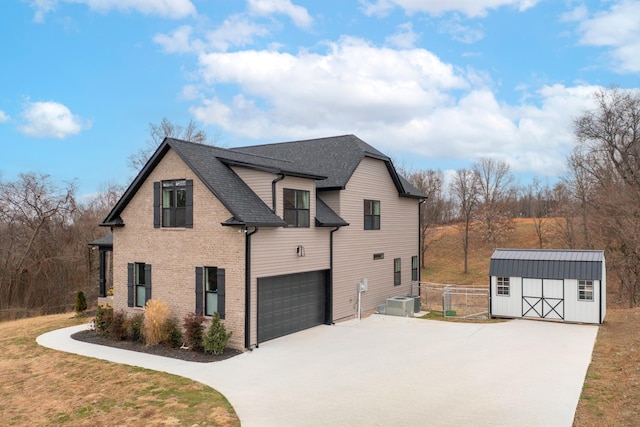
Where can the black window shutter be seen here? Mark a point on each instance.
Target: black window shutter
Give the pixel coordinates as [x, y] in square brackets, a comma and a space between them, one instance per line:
[157, 212]
[199, 290]
[130, 288]
[221, 292]
[147, 282]
[188, 223]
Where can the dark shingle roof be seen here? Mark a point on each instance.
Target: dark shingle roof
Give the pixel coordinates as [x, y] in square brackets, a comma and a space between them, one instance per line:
[330, 161]
[547, 264]
[104, 241]
[335, 157]
[326, 217]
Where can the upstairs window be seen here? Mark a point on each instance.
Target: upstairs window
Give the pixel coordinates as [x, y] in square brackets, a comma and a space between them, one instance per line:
[173, 204]
[296, 207]
[372, 214]
[585, 290]
[503, 286]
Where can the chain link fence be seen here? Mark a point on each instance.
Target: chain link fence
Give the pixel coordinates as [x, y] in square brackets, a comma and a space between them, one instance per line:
[467, 302]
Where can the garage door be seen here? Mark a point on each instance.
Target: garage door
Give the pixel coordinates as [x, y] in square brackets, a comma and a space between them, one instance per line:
[543, 298]
[291, 303]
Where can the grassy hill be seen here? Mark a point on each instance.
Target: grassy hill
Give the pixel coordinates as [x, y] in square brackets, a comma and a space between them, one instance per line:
[444, 260]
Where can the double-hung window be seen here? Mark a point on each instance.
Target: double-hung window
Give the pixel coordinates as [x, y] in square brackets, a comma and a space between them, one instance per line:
[503, 286]
[585, 290]
[296, 207]
[138, 284]
[372, 214]
[210, 291]
[397, 272]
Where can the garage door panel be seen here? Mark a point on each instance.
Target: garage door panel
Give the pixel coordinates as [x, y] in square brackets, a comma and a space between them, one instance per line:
[290, 303]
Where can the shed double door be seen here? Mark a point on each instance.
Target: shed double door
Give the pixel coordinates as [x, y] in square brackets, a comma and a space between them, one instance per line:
[543, 298]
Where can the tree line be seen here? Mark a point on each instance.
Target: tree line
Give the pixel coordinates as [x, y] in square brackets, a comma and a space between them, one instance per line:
[45, 230]
[596, 205]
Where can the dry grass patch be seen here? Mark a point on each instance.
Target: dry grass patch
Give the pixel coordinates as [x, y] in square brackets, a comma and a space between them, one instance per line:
[40, 386]
[611, 392]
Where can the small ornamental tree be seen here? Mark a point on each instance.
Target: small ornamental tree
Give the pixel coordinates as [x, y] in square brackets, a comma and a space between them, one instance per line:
[81, 303]
[217, 337]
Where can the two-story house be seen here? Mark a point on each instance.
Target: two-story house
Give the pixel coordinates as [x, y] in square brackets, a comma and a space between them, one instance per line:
[276, 238]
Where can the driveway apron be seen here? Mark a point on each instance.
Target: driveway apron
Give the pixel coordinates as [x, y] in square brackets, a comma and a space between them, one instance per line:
[392, 371]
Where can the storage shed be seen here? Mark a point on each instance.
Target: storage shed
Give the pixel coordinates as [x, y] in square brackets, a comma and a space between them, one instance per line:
[563, 285]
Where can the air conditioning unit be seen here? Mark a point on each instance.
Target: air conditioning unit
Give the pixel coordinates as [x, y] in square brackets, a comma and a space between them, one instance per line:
[400, 306]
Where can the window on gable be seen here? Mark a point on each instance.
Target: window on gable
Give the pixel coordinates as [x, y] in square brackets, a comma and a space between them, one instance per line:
[372, 214]
[296, 207]
[173, 203]
[503, 286]
[585, 290]
[397, 272]
[414, 269]
[138, 284]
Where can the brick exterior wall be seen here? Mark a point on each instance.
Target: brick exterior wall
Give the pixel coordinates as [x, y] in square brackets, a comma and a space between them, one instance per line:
[173, 253]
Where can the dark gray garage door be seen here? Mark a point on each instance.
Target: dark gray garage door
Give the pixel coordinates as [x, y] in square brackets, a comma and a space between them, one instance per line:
[291, 303]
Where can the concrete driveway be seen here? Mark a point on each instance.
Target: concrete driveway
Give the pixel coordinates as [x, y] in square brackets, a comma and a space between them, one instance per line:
[393, 371]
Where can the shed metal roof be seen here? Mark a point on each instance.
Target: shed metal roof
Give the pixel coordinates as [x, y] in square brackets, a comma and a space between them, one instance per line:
[547, 264]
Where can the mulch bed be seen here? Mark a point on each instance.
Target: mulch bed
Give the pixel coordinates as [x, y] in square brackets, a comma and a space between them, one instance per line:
[159, 350]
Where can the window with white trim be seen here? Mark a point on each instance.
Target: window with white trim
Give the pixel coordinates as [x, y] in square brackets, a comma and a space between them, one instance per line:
[585, 290]
[503, 286]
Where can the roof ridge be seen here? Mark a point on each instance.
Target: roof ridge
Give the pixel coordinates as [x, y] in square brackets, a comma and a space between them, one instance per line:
[300, 140]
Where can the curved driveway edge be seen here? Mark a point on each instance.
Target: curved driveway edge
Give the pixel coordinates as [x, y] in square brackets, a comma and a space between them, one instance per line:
[388, 370]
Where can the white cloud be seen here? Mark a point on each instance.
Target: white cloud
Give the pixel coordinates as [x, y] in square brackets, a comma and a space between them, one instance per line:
[404, 38]
[470, 8]
[399, 100]
[42, 7]
[234, 31]
[460, 32]
[617, 29]
[4, 117]
[51, 119]
[298, 14]
[173, 9]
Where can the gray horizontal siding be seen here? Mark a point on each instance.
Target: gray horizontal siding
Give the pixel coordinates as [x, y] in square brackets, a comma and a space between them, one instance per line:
[547, 264]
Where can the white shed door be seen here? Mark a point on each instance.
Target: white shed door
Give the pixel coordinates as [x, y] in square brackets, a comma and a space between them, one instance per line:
[543, 298]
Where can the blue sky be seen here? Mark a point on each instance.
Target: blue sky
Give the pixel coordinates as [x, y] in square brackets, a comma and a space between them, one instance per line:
[433, 83]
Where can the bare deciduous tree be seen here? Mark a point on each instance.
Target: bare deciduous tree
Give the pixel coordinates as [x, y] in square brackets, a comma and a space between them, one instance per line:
[495, 183]
[432, 209]
[607, 162]
[158, 132]
[465, 190]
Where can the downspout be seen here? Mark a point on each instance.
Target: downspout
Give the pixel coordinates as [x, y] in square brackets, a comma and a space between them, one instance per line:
[273, 191]
[329, 314]
[247, 289]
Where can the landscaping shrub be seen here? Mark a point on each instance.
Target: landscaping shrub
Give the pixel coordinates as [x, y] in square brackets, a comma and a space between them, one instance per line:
[81, 303]
[117, 330]
[156, 313]
[134, 327]
[172, 335]
[217, 337]
[104, 317]
[193, 331]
